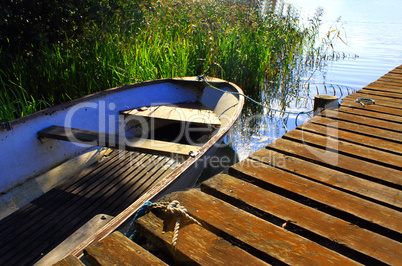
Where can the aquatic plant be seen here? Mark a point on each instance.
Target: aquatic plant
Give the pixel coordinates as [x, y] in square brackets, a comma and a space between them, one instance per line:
[239, 41]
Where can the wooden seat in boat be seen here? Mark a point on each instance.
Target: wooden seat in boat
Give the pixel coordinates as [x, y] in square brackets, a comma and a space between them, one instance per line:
[114, 141]
[179, 113]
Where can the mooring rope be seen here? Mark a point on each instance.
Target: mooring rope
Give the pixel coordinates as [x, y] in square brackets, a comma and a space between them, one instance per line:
[174, 207]
[202, 78]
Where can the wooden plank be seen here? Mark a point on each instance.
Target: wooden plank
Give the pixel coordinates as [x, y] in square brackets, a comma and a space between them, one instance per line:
[385, 86]
[350, 149]
[31, 209]
[397, 70]
[331, 158]
[372, 107]
[95, 195]
[356, 138]
[342, 205]
[390, 80]
[381, 93]
[52, 204]
[372, 114]
[301, 219]
[392, 75]
[367, 121]
[378, 193]
[387, 81]
[393, 137]
[380, 102]
[150, 178]
[262, 239]
[360, 94]
[195, 244]
[54, 215]
[176, 113]
[69, 261]
[116, 249]
[115, 141]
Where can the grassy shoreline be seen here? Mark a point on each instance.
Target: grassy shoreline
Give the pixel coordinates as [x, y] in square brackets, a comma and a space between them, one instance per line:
[233, 40]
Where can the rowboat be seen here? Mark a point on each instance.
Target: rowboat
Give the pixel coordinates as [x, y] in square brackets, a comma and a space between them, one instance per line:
[75, 172]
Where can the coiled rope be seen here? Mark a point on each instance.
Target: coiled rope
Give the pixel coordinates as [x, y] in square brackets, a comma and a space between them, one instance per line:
[174, 208]
[179, 211]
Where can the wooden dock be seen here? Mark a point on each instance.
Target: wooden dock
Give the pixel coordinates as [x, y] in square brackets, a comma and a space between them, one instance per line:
[328, 192]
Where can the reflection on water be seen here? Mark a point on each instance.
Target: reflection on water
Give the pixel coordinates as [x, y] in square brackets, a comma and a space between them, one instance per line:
[371, 30]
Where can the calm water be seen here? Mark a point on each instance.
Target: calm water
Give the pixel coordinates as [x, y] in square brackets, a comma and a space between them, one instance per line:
[373, 36]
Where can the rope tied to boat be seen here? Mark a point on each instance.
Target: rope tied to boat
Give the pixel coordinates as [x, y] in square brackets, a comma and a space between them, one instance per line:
[174, 208]
[179, 211]
[203, 79]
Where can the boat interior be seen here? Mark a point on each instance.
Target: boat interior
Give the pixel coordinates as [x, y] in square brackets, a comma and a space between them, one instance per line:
[157, 140]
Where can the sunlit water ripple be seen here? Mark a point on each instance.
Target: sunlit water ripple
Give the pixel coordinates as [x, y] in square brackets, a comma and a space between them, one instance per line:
[373, 47]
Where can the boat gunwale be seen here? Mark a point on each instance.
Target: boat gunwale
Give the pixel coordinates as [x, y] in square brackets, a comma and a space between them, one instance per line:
[8, 126]
[164, 184]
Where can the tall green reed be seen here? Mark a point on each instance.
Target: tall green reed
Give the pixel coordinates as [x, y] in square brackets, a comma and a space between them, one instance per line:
[158, 39]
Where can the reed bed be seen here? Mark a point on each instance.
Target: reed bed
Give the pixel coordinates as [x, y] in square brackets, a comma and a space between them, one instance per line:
[241, 41]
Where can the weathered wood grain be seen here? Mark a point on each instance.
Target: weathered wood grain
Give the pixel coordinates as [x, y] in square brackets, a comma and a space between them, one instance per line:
[251, 197]
[116, 249]
[261, 238]
[352, 137]
[195, 244]
[381, 101]
[392, 126]
[69, 261]
[336, 179]
[116, 142]
[369, 90]
[350, 149]
[371, 107]
[361, 94]
[393, 137]
[329, 157]
[372, 114]
[176, 113]
[259, 170]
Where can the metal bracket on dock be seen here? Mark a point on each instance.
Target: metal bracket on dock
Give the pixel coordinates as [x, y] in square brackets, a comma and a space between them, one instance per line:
[361, 100]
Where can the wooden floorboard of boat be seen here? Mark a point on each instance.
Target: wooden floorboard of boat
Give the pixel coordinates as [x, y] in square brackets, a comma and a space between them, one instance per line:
[54, 198]
[97, 199]
[105, 187]
[31, 208]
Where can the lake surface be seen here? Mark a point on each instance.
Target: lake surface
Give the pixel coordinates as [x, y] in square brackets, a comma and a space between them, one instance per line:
[373, 36]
